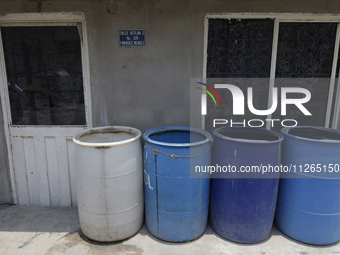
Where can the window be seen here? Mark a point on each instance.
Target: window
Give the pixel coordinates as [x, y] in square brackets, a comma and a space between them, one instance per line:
[278, 47]
[44, 73]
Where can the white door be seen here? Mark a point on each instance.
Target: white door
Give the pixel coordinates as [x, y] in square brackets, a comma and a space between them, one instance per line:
[45, 94]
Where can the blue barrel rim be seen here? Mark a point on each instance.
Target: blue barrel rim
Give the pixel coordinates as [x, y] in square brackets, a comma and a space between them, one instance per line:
[285, 132]
[76, 137]
[240, 140]
[178, 128]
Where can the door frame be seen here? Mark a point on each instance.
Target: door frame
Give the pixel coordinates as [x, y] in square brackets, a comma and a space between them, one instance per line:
[280, 18]
[42, 19]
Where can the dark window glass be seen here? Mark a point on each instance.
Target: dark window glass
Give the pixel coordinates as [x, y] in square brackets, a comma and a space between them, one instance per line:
[239, 51]
[239, 48]
[44, 72]
[305, 50]
[304, 60]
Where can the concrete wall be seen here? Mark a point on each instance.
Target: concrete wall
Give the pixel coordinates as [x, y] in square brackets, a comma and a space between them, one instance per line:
[147, 86]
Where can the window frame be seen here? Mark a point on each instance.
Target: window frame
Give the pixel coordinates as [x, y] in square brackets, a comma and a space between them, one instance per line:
[281, 18]
[48, 19]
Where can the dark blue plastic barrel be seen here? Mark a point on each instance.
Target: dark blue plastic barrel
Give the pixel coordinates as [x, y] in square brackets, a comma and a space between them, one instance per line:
[176, 206]
[308, 207]
[242, 209]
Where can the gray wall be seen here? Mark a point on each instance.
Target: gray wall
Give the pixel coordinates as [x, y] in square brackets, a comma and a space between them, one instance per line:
[146, 87]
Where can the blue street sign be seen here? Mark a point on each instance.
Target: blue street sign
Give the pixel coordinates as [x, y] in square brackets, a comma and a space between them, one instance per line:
[132, 37]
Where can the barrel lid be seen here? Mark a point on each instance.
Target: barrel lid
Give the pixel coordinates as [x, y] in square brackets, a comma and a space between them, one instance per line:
[148, 136]
[108, 136]
[313, 133]
[248, 135]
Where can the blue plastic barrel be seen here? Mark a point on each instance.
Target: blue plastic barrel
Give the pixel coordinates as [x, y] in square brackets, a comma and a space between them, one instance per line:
[308, 207]
[176, 206]
[242, 209]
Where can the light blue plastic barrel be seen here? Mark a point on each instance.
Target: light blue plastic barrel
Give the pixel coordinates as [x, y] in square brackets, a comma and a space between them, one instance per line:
[176, 206]
[308, 206]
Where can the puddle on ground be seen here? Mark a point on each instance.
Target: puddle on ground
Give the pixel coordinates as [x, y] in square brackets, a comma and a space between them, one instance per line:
[77, 243]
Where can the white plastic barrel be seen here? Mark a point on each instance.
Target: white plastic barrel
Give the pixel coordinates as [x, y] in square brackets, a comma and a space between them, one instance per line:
[108, 164]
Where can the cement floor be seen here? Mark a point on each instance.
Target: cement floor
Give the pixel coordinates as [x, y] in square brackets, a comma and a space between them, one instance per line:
[56, 230]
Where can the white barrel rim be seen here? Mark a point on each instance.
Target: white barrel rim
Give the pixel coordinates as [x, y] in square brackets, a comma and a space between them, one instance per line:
[106, 128]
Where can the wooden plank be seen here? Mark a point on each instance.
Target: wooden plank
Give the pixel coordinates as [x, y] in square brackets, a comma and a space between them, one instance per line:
[72, 172]
[31, 171]
[42, 18]
[20, 172]
[7, 119]
[86, 76]
[47, 131]
[52, 166]
[41, 163]
[34, 24]
[64, 178]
